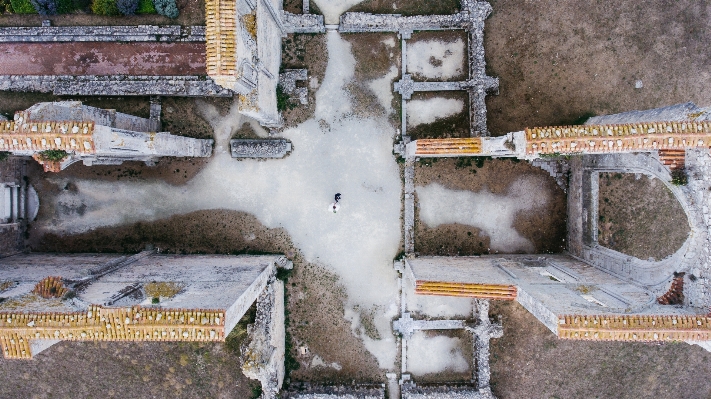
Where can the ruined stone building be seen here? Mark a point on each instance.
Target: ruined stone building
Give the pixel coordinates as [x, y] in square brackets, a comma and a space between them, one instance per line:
[243, 41]
[592, 292]
[92, 135]
[47, 298]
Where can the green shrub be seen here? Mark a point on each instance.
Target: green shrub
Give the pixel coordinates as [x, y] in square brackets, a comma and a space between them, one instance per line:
[4, 155]
[155, 300]
[22, 7]
[145, 7]
[679, 177]
[283, 100]
[167, 8]
[104, 7]
[53, 155]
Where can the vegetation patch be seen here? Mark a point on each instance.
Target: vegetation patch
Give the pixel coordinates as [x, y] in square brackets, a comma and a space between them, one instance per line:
[639, 216]
[22, 7]
[163, 289]
[53, 155]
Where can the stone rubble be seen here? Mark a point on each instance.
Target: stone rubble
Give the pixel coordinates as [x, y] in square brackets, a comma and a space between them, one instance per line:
[287, 80]
[307, 391]
[249, 148]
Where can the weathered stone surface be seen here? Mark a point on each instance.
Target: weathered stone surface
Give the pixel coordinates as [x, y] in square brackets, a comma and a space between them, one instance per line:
[678, 112]
[245, 148]
[406, 325]
[118, 85]
[288, 79]
[140, 33]
[411, 391]
[303, 23]
[336, 392]
[263, 353]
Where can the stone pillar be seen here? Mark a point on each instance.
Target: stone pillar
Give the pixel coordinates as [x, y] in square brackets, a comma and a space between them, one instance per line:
[155, 112]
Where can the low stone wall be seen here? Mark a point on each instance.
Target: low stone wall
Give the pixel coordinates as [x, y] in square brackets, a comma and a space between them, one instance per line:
[139, 33]
[288, 79]
[353, 22]
[303, 23]
[245, 148]
[336, 392]
[678, 112]
[118, 85]
[444, 392]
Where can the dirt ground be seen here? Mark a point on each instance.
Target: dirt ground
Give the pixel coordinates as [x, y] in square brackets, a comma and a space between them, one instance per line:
[557, 60]
[192, 12]
[530, 362]
[374, 59]
[452, 126]
[449, 376]
[304, 51]
[127, 370]
[317, 324]
[545, 228]
[443, 37]
[87, 58]
[651, 222]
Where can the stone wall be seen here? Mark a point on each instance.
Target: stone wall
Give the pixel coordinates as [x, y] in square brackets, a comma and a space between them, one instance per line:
[678, 112]
[354, 22]
[140, 33]
[246, 148]
[118, 85]
[303, 23]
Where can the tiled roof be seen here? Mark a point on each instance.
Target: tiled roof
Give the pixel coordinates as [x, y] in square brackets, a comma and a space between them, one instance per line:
[484, 291]
[448, 146]
[635, 327]
[220, 32]
[109, 324]
[618, 138]
[24, 135]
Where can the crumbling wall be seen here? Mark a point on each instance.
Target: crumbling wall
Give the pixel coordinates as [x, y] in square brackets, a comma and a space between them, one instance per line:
[263, 353]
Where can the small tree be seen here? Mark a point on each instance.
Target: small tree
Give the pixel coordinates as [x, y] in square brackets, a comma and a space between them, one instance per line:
[104, 7]
[127, 7]
[45, 7]
[166, 8]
